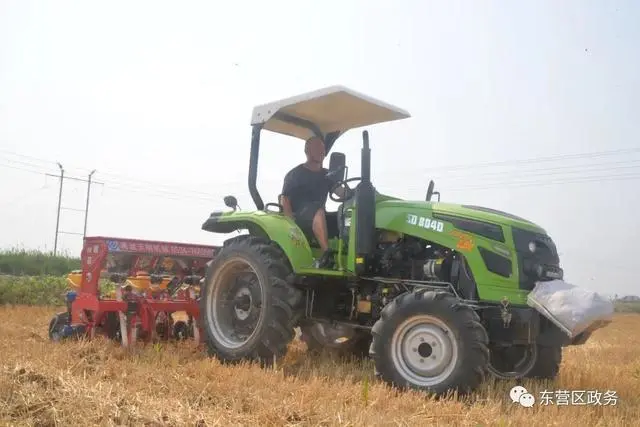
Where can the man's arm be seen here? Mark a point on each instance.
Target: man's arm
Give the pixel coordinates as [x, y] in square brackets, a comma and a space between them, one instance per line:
[286, 206]
[287, 190]
[342, 192]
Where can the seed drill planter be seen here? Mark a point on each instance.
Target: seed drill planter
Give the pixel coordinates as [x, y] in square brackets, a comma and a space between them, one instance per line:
[153, 281]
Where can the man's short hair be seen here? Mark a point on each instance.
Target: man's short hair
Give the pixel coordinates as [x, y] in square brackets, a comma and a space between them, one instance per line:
[311, 138]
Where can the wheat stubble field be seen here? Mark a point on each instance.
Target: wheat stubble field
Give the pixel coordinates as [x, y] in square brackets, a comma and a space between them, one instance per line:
[99, 383]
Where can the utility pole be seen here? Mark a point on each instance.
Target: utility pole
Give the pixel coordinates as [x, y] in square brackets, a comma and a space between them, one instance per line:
[86, 209]
[55, 244]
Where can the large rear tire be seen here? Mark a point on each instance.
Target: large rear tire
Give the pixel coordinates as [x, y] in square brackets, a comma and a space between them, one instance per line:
[247, 307]
[428, 341]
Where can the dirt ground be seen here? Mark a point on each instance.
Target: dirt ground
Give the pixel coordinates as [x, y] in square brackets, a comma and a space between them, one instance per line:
[99, 383]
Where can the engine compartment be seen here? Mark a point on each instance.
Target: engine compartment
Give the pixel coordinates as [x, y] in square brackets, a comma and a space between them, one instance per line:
[398, 262]
[411, 258]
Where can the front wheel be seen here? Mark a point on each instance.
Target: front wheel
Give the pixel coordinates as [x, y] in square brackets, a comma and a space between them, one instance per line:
[429, 341]
[248, 309]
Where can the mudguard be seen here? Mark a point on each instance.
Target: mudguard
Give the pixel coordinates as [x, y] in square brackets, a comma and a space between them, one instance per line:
[272, 225]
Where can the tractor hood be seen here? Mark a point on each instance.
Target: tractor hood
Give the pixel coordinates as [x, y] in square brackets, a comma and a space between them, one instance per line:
[486, 214]
[479, 213]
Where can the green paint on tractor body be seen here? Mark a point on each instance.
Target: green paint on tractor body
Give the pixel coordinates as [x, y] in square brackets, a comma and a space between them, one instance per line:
[396, 215]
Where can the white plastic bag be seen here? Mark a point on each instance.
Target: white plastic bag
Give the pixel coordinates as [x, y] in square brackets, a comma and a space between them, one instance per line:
[571, 308]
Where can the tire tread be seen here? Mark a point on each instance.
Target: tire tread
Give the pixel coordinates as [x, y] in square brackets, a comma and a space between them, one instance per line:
[285, 301]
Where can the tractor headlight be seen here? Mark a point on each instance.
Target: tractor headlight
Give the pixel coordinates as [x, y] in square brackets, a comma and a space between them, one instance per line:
[532, 247]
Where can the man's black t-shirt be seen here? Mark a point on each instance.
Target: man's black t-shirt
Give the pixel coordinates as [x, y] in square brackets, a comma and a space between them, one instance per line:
[305, 187]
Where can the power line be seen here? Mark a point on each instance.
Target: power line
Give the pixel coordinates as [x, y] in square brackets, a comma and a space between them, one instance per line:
[625, 164]
[74, 179]
[551, 171]
[557, 175]
[590, 155]
[30, 164]
[165, 195]
[126, 188]
[157, 187]
[22, 169]
[521, 184]
[183, 193]
[453, 168]
[133, 183]
[517, 184]
[124, 181]
[38, 159]
[152, 189]
[496, 185]
[160, 194]
[586, 155]
[24, 156]
[182, 196]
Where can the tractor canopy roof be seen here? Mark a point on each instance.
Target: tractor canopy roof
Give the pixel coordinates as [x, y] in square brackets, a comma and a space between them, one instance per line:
[330, 111]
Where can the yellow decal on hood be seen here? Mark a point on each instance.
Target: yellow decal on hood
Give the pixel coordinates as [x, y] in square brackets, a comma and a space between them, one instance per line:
[465, 241]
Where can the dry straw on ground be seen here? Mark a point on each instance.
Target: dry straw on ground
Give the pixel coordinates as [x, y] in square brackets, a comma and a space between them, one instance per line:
[98, 383]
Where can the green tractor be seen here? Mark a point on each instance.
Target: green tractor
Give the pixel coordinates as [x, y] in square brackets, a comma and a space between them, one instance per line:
[434, 293]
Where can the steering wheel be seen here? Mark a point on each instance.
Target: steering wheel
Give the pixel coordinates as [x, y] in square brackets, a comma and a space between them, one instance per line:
[332, 174]
[349, 191]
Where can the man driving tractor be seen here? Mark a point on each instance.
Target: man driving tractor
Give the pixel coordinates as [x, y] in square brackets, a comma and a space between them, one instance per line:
[304, 195]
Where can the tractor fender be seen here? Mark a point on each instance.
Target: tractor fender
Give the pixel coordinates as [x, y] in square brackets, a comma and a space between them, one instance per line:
[274, 226]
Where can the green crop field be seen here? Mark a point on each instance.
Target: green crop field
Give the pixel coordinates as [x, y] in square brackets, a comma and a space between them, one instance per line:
[18, 262]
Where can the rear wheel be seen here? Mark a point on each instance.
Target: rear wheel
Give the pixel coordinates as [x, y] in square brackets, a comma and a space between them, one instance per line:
[428, 341]
[248, 309]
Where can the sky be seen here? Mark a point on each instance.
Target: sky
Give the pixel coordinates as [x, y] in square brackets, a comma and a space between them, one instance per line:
[157, 98]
